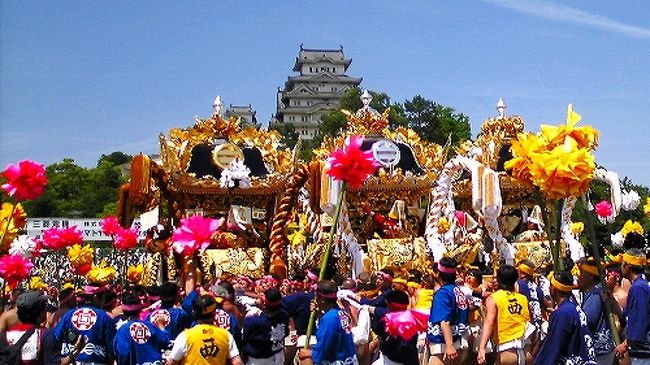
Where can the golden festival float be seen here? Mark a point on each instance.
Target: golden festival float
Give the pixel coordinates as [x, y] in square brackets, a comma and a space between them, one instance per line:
[423, 202]
[214, 168]
[381, 222]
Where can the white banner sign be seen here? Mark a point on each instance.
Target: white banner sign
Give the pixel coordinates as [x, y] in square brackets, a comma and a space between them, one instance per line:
[90, 227]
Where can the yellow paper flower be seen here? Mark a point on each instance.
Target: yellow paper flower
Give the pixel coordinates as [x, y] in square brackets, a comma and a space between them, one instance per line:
[10, 232]
[443, 225]
[67, 286]
[134, 273]
[19, 218]
[646, 207]
[80, 255]
[562, 172]
[577, 228]
[585, 136]
[36, 283]
[101, 274]
[522, 148]
[631, 226]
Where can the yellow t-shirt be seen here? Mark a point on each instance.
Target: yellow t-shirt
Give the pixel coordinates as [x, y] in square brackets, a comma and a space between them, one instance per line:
[207, 344]
[425, 299]
[512, 316]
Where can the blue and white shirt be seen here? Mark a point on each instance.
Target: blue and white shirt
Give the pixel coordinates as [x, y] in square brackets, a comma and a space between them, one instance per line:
[140, 343]
[334, 340]
[264, 336]
[637, 313]
[535, 297]
[597, 322]
[95, 324]
[449, 305]
[569, 340]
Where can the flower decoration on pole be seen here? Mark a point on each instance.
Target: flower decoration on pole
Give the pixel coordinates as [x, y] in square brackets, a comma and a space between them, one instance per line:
[80, 255]
[110, 225]
[24, 246]
[558, 160]
[25, 181]
[604, 211]
[36, 283]
[443, 225]
[194, 234]
[18, 216]
[577, 228]
[126, 239]
[351, 166]
[135, 273]
[630, 200]
[12, 220]
[57, 238]
[101, 274]
[14, 269]
[632, 226]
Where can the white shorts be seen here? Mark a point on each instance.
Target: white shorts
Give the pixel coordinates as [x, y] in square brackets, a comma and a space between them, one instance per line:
[439, 348]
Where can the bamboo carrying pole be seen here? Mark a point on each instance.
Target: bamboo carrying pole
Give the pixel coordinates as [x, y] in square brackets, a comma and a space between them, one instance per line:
[607, 300]
[326, 257]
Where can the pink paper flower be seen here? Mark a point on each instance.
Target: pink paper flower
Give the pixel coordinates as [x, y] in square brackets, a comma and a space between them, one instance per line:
[126, 238]
[57, 238]
[460, 217]
[14, 269]
[350, 164]
[25, 181]
[604, 209]
[194, 234]
[406, 324]
[110, 225]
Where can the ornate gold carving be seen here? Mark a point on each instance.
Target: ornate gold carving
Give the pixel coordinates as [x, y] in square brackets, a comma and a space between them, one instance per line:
[495, 133]
[176, 150]
[366, 122]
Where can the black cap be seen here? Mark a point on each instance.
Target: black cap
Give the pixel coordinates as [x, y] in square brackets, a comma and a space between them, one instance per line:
[30, 298]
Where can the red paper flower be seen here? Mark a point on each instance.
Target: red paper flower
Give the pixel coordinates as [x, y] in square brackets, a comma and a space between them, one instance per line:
[604, 209]
[14, 269]
[110, 225]
[406, 324]
[126, 238]
[83, 269]
[194, 234]
[350, 164]
[25, 181]
[57, 238]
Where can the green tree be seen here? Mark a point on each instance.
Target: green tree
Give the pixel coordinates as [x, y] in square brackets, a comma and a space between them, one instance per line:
[288, 132]
[116, 158]
[334, 122]
[435, 122]
[76, 191]
[62, 198]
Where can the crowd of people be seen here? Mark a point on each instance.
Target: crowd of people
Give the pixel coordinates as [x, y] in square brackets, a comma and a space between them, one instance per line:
[520, 314]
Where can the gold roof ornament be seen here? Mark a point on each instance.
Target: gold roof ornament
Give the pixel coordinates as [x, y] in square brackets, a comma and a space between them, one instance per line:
[497, 132]
[227, 138]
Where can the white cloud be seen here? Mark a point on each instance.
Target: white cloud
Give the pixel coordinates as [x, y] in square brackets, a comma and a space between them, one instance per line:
[570, 15]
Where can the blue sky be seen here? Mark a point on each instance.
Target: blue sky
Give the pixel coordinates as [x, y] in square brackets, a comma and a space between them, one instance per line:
[82, 78]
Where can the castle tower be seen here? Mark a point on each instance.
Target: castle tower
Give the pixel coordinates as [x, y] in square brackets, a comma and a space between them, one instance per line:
[316, 90]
